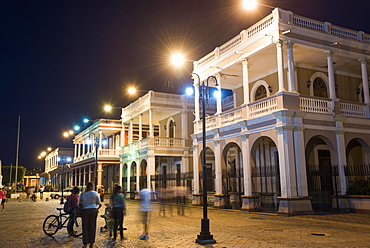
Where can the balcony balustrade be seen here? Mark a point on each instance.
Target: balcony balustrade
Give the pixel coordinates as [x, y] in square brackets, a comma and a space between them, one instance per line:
[156, 142]
[270, 105]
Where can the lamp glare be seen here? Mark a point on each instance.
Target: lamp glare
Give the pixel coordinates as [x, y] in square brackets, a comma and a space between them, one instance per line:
[249, 4]
[177, 59]
[189, 91]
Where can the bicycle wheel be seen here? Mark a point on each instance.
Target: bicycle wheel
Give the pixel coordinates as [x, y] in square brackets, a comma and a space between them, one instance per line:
[74, 226]
[51, 225]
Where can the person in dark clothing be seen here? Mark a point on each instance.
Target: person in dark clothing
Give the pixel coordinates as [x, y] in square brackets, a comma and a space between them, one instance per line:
[118, 211]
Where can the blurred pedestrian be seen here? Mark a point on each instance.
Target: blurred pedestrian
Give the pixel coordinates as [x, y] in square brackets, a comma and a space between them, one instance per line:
[89, 202]
[102, 193]
[2, 198]
[145, 208]
[118, 211]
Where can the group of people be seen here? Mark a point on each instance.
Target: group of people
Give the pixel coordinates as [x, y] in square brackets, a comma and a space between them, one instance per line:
[90, 202]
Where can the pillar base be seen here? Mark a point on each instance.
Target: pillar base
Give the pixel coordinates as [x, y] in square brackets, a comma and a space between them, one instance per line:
[251, 203]
[290, 206]
[130, 195]
[197, 199]
[220, 201]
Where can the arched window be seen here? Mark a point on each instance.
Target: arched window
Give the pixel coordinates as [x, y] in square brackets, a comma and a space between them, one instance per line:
[171, 129]
[319, 88]
[260, 93]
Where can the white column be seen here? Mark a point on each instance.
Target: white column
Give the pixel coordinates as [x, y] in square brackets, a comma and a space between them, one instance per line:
[83, 147]
[280, 65]
[291, 73]
[140, 127]
[219, 100]
[247, 171]
[150, 171]
[197, 100]
[151, 128]
[299, 151]
[128, 175]
[218, 169]
[184, 126]
[196, 169]
[329, 55]
[131, 131]
[341, 151]
[245, 82]
[75, 151]
[99, 175]
[365, 79]
[286, 154]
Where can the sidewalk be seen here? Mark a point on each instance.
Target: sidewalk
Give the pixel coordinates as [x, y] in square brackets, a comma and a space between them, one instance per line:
[21, 226]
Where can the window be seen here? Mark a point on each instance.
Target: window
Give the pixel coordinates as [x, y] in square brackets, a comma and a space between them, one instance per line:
[319, 88]
[260, 93]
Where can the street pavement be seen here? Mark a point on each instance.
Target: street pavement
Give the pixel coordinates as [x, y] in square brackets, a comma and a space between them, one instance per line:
[21, 226]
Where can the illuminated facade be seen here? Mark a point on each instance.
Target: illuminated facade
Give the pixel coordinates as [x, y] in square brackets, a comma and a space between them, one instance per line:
[54, 167]
[96, 155]
[299, 118]
[157, 151]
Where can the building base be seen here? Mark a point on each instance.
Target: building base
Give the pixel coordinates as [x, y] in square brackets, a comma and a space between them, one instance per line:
[251, 203]
[220, 201]
[290, 206]
[197, 199]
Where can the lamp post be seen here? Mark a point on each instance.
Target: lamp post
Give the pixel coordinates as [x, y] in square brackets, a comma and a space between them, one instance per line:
[205, 236]
[66, 159]
[96, 143]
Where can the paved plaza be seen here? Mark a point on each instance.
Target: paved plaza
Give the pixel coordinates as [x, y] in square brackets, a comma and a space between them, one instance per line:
[21, 226]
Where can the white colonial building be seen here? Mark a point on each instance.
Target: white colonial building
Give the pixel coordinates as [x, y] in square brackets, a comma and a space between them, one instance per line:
[96, 155]
[157, 151]
[299, 117]
[57, 163]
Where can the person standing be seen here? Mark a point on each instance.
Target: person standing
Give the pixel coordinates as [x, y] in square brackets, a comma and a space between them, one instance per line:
[118, 210]
[89, 202]
[145, 208]
[2, 198]
[102, 194]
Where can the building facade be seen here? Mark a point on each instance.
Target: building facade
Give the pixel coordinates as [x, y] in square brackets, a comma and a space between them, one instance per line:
[57, 164]
[96, 155]
[157, 151]
[299, 118]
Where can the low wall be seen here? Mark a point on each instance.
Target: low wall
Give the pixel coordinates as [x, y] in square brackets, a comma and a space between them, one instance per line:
[353, 203]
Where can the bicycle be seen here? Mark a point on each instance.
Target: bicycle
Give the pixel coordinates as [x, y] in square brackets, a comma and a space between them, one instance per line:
[53, 223]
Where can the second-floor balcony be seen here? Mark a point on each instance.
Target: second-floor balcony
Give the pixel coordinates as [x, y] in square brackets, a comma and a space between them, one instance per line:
[272, 104]
[102, 153]
[158, 142]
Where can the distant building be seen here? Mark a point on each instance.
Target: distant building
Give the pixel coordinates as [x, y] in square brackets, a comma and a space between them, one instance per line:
[32, 178]
[57, 167]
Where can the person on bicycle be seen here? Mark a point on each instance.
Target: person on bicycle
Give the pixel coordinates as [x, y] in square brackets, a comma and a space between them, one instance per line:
[89, 201]
[118, 210]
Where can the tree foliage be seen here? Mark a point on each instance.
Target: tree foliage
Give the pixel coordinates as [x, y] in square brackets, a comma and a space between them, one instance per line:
[6, 174]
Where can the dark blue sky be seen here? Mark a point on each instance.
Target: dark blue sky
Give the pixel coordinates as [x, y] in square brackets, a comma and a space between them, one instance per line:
[61, 61]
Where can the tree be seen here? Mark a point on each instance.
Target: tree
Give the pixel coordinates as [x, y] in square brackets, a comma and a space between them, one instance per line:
[6, 174]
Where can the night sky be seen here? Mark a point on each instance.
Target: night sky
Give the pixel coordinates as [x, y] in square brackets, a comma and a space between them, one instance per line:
[61, 61]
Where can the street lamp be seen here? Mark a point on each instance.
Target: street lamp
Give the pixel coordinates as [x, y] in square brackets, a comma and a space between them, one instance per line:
[205, 236]
[96, 143]
[64, 160]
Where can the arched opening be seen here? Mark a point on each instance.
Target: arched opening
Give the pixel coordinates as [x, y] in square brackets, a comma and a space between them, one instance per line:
[124, 178]
[357, 168]
[143, 175]
[133, 177]
[110, 177]
[321, 175]
[266, 173]
[232, 175]
[320, 88]
[261, 93]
